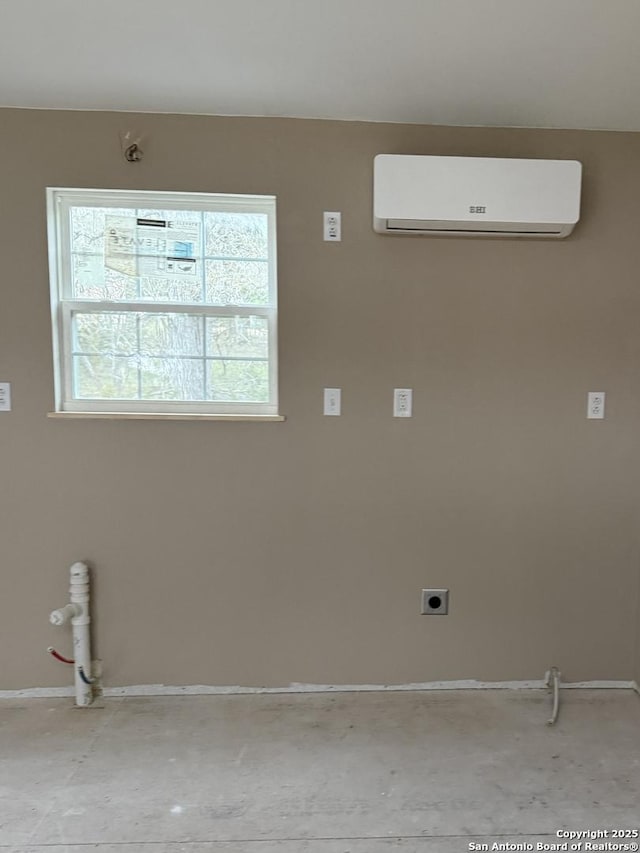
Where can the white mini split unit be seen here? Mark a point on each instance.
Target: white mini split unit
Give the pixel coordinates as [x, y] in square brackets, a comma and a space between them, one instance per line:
[475, 196]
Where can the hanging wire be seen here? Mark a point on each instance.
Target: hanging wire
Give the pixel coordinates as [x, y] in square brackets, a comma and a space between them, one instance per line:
[58, 656]
[84, 677]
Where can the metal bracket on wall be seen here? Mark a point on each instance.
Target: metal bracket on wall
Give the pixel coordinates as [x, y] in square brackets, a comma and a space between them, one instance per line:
[130, 143]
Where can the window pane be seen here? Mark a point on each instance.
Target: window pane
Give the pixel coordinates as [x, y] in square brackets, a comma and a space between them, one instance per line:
[88, 227]
[91, 280]
[237, 337]
[108, 334]
[171, 334]
[98, 377]
[236, 235]
[237, 282]
[239, 381]
[172, 379]
[172, 289]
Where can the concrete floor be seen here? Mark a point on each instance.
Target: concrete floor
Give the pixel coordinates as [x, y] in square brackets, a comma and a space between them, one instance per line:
[317, 773]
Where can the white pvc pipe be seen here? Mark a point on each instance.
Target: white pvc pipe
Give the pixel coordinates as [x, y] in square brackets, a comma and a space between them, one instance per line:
[553, 683]
[78, 612]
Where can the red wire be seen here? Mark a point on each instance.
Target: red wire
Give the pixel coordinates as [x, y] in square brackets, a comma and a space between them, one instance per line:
[58, 656]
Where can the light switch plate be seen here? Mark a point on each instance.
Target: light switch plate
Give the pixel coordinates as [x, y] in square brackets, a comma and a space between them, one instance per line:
[5, 396]
[332, 401]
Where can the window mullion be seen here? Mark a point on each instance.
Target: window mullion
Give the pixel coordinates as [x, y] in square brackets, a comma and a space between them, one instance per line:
[139, 358]
[66, 350]
[205, 378]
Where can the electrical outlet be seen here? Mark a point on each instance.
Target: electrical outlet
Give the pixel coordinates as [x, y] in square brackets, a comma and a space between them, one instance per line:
[435, 602]
[332, 225]
[332, 401]
[402, 402]
[595, 405]
[5, 396]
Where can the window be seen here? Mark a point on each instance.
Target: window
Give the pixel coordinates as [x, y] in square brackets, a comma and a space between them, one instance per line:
[163, 303]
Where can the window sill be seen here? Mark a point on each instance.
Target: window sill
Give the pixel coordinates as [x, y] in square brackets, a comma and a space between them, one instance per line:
[159, 416]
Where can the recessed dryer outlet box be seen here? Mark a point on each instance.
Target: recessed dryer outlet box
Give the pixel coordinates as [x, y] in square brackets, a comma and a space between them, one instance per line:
[435, 602]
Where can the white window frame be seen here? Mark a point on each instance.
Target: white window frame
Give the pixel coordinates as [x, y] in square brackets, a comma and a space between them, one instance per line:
[63, 303]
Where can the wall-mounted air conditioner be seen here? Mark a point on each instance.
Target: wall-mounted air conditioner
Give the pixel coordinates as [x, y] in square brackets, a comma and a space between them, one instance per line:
[475, 196]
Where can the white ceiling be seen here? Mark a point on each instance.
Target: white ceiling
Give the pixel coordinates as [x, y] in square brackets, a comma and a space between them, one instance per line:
[533, 63]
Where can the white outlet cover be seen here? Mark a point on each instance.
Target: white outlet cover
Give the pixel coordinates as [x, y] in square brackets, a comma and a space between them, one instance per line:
[5, 396]
[595, 405]
[332, 220]
[402, 402]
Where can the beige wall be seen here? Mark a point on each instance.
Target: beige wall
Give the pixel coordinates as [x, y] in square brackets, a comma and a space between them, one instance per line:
[637, 661]
[269, 553]
[637, 668]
